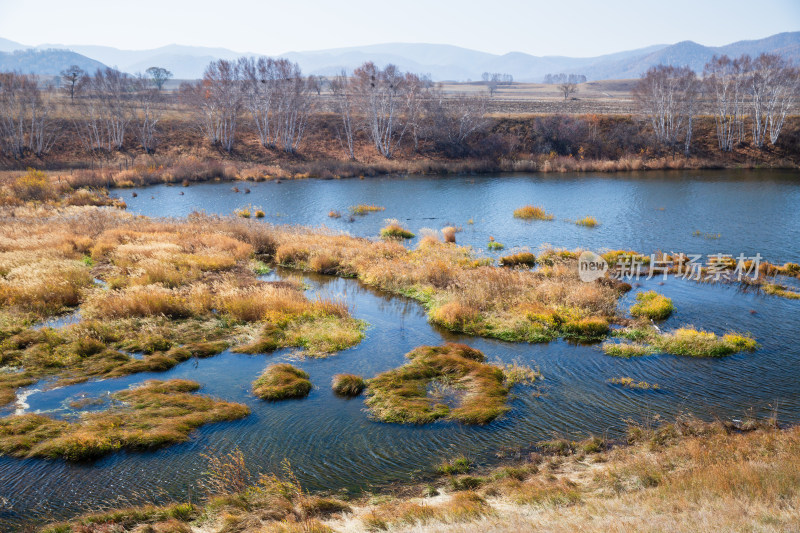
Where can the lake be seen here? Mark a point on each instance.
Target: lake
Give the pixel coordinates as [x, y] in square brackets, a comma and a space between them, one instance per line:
[332, 443]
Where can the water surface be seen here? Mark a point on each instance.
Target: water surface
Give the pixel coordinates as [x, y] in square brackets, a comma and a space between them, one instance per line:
[332, 442]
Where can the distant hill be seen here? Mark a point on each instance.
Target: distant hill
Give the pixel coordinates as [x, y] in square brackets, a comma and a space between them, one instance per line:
[694, 55]
[442, 62]
[45, 62]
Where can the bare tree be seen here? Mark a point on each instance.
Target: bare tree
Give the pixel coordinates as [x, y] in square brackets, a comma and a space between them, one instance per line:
[451, 121]
[772, 87]
[569, 85]
[216, 100]
[415, 89]
[381, 101]
[278, 98]
[668, 95]
[724, 82]
[159, 76]
[72, 77]
[343, 97]
[147, 112]
[25, 116]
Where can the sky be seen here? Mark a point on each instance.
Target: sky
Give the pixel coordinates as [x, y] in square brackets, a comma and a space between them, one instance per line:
[579, 28]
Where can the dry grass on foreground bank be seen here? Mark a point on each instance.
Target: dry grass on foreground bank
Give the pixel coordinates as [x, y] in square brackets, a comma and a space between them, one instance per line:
[165, 291]
[684, 476]
[156, 414]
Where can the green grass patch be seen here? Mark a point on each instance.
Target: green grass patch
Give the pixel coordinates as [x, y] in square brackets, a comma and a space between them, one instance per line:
[393, 230]
[450, 381]
[652, 305]
[156, 414]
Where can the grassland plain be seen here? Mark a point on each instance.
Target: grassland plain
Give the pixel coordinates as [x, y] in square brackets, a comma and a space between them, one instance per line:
[682, 476]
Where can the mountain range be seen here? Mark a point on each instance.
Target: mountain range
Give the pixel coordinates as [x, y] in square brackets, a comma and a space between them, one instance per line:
[441, 62]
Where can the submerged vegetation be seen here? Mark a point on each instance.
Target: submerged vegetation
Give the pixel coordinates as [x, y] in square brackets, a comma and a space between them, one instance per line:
[363, 209]
[155, 414]
[630, 383]
[282, 381]
[450, 381]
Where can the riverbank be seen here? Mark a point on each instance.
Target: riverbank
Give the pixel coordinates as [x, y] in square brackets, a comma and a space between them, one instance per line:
[683, 476]
[537, 143]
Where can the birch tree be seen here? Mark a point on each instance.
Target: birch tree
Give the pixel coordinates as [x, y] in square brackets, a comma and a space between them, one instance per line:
[342, 91]
[668, 96]
[381, 101]
[724, 81]
[26, 123]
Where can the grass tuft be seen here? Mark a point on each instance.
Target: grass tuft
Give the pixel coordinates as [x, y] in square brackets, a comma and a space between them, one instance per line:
[652, 305]
[530, 212]
[450, 381]
[393, 230]
[348, 384]
[282, 381]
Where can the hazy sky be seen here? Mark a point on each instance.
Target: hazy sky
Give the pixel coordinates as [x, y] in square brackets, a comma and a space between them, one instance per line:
[555, 27]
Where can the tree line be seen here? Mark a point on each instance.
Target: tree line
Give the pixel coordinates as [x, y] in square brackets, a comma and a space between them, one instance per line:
[763, 89]
[271, 97]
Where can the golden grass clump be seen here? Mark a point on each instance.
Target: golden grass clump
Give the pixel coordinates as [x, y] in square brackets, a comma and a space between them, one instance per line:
[418, 392]
[348, 384]
[692, 342]
[153, 415]
[282, 381]
[530, 212]
[363, 209]
[685, 341]
[652, 305]
[521, 259]
[394, 230]
[588, 222]
[449, 234]
[624, 349]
